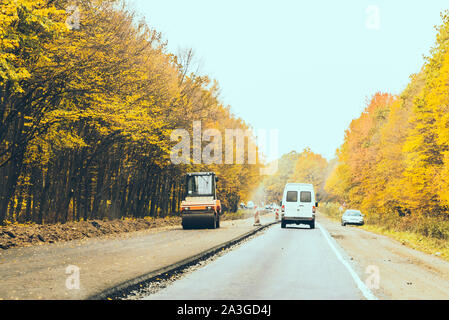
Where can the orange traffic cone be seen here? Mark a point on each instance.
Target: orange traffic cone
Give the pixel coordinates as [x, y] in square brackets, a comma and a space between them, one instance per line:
[277, 214]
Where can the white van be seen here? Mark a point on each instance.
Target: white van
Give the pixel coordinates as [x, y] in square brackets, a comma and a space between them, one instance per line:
[298, 205]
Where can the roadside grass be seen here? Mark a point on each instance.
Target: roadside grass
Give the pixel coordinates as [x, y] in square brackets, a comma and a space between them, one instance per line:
[426, 234]
[438, 247]
[331, 210]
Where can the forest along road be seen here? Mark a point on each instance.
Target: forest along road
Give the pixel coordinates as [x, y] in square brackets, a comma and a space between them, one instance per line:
[41, 272]
[329, 262]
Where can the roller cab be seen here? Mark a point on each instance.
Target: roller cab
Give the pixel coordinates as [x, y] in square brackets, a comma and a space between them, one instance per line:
[200, 208]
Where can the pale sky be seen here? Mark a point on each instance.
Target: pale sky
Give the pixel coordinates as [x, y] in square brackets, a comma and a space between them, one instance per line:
[305, 68]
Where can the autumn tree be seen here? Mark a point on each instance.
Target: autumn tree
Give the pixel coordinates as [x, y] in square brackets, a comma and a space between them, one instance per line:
[87, 114]
[395, 156]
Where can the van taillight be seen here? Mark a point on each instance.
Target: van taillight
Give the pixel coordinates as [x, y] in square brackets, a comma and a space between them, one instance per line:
[283, 208]
[314, 209]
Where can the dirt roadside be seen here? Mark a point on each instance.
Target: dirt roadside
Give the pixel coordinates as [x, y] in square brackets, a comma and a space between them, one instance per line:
[26, 235]
[39, 272]
[405, 274]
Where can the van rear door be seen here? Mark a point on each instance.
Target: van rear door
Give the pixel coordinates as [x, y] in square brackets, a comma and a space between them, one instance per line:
[291, 203]
[305, 204]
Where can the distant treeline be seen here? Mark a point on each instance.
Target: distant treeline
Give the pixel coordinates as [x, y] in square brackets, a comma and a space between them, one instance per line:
[304, 167]
[86, 111]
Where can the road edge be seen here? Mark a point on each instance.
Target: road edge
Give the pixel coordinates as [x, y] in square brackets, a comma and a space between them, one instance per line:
[135, 282]
[367, 293]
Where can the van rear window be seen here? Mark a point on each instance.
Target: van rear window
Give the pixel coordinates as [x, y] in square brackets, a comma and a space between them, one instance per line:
[306, 196]
[292, 196]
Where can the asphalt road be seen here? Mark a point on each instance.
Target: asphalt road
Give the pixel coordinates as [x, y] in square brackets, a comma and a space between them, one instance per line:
[293, 263]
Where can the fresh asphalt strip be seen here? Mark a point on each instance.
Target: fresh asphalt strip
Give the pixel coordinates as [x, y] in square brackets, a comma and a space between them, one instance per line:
[126, 287]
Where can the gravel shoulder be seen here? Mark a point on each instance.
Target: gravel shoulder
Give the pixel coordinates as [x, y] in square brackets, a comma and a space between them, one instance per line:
[39, 272]
[405, 274]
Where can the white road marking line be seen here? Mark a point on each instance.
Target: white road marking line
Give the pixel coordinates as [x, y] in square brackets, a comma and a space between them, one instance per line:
[362, 287]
